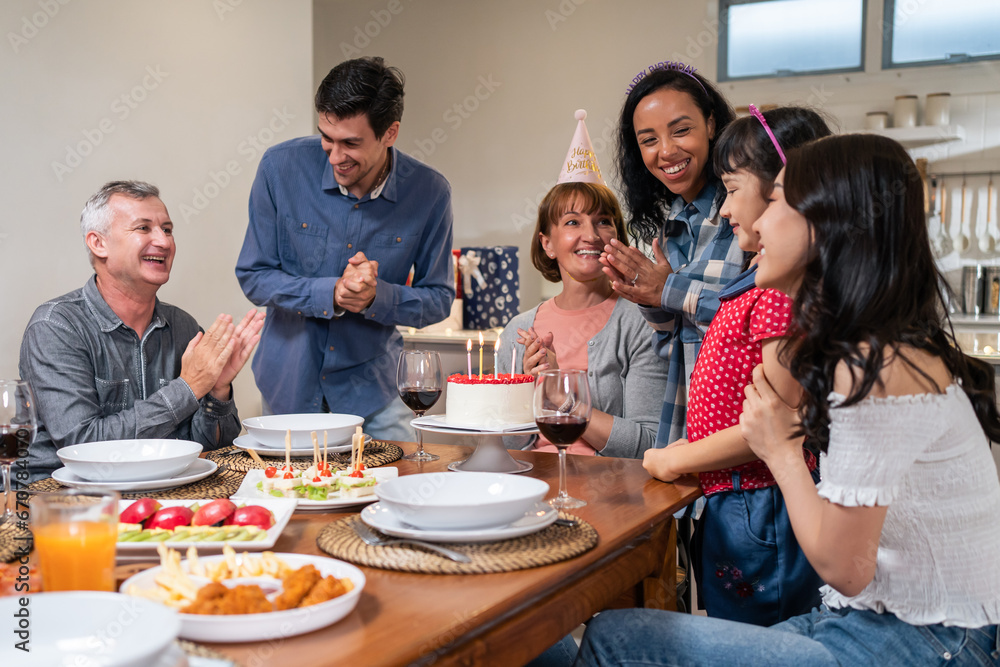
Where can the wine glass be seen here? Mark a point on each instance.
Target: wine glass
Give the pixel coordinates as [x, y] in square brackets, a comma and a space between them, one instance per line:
[419, 382]
[18, 423]
[562, 412]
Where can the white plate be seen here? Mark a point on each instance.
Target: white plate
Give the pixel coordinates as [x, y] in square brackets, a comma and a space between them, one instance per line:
[437, 424]
[249, 492]
[88, 628]
[271, 625]
[301, 428]
[281, 507]
[246, 442]
[380, 517]
[199, 469]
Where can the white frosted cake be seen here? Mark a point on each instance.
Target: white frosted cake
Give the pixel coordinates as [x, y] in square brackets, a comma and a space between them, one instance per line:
[489, 401]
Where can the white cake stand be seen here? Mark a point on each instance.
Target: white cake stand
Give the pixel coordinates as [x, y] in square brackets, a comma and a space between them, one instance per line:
[489, 456]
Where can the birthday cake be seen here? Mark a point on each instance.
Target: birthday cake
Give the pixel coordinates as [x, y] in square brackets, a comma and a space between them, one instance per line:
[489, 401]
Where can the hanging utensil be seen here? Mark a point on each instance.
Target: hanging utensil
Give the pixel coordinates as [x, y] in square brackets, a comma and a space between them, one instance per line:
[935, 224]
[955, 217]
[962, 230]
[991, 214]
[982, 220]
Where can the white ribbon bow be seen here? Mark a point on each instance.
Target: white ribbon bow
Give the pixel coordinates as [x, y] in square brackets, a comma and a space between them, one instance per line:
[468, 264]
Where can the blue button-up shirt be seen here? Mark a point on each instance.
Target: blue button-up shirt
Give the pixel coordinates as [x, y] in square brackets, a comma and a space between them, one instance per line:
[302, 231]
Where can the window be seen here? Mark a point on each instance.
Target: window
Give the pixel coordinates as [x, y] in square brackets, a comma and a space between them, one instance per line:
[935, 32]
[770, 38]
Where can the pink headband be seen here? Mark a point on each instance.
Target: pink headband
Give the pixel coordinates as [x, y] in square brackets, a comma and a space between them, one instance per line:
[667, 64]
[755, 112]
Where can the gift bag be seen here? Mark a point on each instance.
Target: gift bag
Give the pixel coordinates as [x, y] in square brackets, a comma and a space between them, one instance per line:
[491, 293]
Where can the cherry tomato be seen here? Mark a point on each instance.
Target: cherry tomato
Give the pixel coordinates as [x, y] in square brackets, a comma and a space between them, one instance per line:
[326, 473]
[288, 475]
[357, 473]
[317, 479]
[270, 472]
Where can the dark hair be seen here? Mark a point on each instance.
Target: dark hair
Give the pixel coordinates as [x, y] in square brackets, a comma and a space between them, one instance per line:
[595, 198]
[644, 194]
[363, 86]
[870, 283]
[744, 144]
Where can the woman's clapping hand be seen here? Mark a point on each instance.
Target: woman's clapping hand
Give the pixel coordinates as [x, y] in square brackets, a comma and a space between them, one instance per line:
[633, 275]
[538, 353]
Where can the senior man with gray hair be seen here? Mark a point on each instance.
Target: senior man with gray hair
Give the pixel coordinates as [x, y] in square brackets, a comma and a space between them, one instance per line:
[110, 361]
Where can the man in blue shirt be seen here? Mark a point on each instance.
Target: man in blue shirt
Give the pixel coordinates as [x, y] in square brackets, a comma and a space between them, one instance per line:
[336, 223]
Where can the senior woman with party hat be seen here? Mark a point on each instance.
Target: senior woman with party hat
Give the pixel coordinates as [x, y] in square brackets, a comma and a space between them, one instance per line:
[586, 326]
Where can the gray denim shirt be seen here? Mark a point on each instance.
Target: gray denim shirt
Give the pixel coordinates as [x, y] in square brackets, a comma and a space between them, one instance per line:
[94, 379]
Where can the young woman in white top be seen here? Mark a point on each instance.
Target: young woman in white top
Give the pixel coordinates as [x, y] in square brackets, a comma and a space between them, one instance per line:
[904, 526]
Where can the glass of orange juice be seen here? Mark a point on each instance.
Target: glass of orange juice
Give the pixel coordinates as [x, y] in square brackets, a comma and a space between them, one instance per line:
[75, 533]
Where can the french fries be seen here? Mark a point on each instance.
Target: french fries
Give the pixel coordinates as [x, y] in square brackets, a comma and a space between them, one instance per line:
[176, 588]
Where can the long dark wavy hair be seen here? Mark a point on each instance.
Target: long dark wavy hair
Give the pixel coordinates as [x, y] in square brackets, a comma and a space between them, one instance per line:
[870, 285]
[645, 196]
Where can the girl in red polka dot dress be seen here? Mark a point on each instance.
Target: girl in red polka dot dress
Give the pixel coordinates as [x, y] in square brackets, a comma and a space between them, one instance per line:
[748, 565]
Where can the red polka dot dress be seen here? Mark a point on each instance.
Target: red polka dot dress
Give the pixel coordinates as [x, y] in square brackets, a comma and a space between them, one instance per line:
[731, 350]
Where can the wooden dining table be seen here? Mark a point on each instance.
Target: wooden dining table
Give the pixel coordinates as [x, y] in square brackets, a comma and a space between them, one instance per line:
[498, 619]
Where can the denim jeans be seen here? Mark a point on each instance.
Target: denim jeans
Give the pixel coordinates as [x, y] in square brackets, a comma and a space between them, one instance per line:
[747, 562]
[391, 423]
[822, 638]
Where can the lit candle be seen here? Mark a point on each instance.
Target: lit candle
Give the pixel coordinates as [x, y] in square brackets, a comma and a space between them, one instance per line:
[468, 355]
[480, 354]
[496, 371]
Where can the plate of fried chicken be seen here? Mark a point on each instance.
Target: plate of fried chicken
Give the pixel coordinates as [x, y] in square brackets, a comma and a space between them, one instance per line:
[301, 594]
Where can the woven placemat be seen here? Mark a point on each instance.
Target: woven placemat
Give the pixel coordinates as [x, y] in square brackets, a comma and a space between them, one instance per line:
[552, 545]
[377, 453]
[13, 542]
[199, 651]
[221, 484]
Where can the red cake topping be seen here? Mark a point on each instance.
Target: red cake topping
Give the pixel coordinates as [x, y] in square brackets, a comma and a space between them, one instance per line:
[519, 378]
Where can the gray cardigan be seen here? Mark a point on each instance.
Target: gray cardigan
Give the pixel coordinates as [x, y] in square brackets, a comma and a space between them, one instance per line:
[627, 379]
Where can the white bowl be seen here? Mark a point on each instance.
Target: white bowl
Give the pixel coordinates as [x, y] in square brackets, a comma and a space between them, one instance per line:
[129, 460]
[458, 501]
[88, 628]
[271, 625]
[270, 430]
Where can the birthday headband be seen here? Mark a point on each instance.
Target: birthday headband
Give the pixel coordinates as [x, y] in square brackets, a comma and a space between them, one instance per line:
[667, 64]
[755, 112]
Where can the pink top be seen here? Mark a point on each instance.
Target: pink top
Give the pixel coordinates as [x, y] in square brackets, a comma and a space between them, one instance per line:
[731, 350]
[571, 331]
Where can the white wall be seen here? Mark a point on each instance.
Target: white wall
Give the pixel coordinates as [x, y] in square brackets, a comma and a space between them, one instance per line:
[236, 69]
[551, 57]
[169, 92]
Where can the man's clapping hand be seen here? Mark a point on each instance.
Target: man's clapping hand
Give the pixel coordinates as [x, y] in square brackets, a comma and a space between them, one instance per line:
[246, 335]
[355, 289]
[213, 358]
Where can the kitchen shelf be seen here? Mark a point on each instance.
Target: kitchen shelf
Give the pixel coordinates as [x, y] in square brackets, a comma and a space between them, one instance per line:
[959, 319]
[924, 135]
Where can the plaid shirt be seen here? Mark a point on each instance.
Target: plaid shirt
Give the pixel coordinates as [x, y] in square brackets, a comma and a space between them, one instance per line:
[703, 252]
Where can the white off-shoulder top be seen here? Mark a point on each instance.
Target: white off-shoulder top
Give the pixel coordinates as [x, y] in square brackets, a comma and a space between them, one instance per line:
[927, 458]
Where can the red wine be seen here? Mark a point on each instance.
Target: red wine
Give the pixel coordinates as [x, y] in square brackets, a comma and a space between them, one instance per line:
[419, 399]
[562, 429]
[13, 438]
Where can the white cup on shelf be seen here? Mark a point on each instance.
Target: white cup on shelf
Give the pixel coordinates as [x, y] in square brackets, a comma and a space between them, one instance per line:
[876, 120]
[904, 111]
[937, 109]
